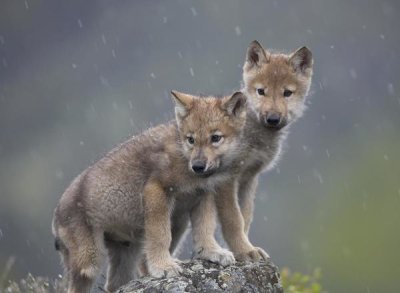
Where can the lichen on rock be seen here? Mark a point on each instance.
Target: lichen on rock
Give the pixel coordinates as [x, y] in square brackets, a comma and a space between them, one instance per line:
[203, 276]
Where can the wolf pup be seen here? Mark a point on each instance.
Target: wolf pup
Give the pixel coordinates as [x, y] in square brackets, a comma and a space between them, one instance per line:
[276, 86]
[140, 194]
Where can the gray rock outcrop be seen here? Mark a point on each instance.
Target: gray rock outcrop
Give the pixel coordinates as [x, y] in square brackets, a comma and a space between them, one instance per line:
[203, 276]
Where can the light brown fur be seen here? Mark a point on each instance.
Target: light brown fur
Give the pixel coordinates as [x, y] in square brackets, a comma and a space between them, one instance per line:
[262, 141]
[139, 197]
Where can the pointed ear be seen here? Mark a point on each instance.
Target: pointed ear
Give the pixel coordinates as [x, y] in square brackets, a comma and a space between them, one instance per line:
[301, 60]
[183, 103]
[256, 55]
[235, 105]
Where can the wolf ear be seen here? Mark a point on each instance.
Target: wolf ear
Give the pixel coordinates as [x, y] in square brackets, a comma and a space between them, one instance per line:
[183, 103]
[235, 105]
[301, 60]
[256, 55]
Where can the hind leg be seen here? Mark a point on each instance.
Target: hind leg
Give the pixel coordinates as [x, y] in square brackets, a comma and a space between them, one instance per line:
[123, 257]
[78, 283]
[83, 256]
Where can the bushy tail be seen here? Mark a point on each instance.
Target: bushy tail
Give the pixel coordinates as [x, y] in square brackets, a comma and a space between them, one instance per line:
[57, 243]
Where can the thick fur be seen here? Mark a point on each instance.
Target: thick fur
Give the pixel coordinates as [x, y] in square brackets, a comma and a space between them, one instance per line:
[274, 73]
[138, 198]
[262, 143]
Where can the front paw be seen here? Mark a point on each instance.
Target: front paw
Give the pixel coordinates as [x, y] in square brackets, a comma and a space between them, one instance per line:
[255, 254]
[218, 255]
[168, 269]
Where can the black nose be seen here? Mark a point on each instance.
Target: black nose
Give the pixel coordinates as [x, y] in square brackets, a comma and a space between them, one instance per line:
[273, 119]
[198, 166]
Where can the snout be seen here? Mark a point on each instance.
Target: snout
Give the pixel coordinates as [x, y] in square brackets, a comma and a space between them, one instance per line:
[274, 120]
[202, 169]
[199, 167]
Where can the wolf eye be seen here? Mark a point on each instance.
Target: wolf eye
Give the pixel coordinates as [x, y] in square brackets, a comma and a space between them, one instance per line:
[190, 139]
[287, 93]
[261, 92]
[215, 138]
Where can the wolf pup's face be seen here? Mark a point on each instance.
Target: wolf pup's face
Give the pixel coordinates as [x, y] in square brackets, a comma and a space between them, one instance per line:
[210, 129]
[277, 84]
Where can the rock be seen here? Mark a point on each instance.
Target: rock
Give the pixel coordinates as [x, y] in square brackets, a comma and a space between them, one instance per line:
[203, 276]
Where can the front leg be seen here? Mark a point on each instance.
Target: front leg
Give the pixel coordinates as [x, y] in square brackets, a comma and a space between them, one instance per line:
[232, 224]
[203, 217]
[158, 207]
[246, 195]
[179, 225]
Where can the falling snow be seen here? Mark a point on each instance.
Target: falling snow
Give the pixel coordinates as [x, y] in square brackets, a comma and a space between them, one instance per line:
[318, 175]
[80, 24]
[103, 39]
[353, 73]
[238, 31]
[390, 89]
[152, 75]
[104, 81]
[191, 71]
[327, 153]
[194, 12]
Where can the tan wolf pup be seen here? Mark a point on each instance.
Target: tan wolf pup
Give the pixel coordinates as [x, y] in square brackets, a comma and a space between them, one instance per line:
[276, 86]
[139, 197]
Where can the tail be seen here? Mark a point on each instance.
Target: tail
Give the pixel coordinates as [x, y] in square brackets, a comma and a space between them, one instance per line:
[57, 244]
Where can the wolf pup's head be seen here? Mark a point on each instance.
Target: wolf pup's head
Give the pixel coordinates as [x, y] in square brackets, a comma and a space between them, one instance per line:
[277, 84]
[210, 129]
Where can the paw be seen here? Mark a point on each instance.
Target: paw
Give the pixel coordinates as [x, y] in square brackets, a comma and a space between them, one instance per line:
[255, 254]
[168, 269]
[219, 255]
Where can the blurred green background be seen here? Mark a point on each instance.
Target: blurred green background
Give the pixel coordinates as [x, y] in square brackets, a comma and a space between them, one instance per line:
[78, 77]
